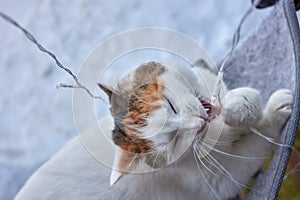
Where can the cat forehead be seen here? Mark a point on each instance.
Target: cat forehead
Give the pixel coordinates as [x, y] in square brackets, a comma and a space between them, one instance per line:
[169, 77]
[186, 81]
[144, 74]
[147, 72]
[156, 80]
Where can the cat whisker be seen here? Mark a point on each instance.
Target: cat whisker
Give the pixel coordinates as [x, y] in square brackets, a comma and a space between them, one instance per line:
[225, 172]
[269, 139]
[209, 185]
[211, 160]
[153, 171]
[200, 156]
[274, 141]
[207, 159]
[169, 157]
[217, 143]
[158, 152]
[294, 170]
[233, 155]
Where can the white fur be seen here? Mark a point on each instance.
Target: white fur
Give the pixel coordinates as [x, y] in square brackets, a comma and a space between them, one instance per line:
[115, 174]
[74, 174]
[180, 91]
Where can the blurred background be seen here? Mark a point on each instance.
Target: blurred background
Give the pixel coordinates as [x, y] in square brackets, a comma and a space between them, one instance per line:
[36, 118]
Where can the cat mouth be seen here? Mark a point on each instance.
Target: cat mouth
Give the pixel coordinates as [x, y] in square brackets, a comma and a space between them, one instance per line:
[212, 111]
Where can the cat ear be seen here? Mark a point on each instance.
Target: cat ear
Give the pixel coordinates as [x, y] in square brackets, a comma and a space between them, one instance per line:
[202, 64]
[107, 90]
[122, 161]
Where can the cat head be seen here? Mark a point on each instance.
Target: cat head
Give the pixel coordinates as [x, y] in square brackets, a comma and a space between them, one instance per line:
[157, 111]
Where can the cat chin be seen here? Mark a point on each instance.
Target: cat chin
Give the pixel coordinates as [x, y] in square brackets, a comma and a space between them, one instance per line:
[202, 129]
[201, 133]
[184, 141]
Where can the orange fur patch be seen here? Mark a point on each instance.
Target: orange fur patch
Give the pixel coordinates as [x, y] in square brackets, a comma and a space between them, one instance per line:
[125, 161]
[130, 143]
[147, 91]
[143, 101]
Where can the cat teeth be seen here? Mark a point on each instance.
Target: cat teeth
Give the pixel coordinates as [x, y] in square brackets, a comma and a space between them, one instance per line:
[213, 112]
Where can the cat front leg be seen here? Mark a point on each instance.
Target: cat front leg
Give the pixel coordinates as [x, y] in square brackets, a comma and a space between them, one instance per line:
[233, 157]
[242, 107]
[276, 113]
[251, 147]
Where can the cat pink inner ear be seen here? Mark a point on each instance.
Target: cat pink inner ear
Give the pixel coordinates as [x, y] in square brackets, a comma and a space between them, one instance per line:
[122, 161]
[107, 90]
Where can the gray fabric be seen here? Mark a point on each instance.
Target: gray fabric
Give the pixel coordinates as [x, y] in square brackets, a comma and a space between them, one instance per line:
[264, 3]
[264, 61]
[269, 60]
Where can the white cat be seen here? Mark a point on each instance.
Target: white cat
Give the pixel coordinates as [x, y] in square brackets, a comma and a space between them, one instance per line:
[162, 119]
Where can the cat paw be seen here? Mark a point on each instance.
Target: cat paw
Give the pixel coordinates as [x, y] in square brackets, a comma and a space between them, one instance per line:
[279, 106]
[242, 107]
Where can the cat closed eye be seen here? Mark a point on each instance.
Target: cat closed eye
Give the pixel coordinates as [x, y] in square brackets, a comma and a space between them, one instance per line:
[171, 105]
